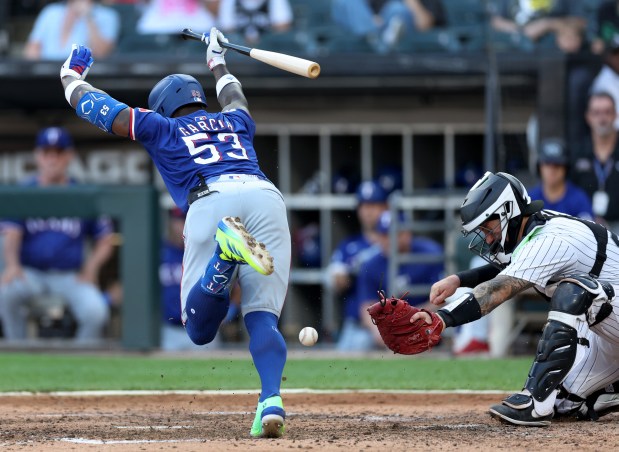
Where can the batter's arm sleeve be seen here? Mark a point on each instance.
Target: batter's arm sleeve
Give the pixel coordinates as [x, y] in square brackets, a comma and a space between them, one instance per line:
[121, 124]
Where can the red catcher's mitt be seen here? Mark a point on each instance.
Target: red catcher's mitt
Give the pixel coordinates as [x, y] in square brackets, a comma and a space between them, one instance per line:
[392, 317]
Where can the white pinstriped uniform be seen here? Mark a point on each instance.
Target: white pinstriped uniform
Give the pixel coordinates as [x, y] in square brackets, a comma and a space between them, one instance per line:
[563, 247]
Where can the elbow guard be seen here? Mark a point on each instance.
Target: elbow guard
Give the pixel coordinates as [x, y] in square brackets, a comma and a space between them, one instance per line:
[99, 109]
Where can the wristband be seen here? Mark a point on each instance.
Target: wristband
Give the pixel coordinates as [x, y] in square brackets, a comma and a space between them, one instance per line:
[225, 80]
[475, 276]
[465, 309]
[71, 87]
[215, 61]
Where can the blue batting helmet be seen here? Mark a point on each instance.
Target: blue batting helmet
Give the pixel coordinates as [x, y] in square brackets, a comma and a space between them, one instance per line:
[174, 92]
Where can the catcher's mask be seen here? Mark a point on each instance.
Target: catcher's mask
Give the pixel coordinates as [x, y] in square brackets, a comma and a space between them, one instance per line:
[499, 197]
[173, 92]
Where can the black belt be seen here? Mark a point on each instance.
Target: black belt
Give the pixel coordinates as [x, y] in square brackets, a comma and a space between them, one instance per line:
[199, 192]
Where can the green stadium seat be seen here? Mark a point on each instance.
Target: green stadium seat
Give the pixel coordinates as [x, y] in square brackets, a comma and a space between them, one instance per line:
[437, 40]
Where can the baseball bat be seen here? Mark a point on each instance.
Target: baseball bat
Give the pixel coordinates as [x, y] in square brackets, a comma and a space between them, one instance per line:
[299, 66]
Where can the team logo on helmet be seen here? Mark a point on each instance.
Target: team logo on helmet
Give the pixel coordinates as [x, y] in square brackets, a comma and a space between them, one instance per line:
[196, 95]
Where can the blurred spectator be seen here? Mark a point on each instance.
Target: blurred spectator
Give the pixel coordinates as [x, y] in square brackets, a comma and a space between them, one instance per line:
[61, 24]
[598, 173]
[607, 80]
[252, 18]
[345, 262]
[537, 19]
[390, 178]
[373, 272]
[558, 193]
[45, 256]
[384, 22]
[607, 25]
[171, 16]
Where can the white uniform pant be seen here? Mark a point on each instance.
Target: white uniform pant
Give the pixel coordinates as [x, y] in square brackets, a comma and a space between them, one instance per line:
[597, 365]
[260, 206]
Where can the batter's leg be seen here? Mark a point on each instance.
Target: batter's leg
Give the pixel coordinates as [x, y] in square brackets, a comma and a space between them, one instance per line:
[209, 299]
[268, 350]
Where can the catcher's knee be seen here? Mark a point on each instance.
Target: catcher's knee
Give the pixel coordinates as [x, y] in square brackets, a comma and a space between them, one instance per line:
[581, 294]
[555, 356]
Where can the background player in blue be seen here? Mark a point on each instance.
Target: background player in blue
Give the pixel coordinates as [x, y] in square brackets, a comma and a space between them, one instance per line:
[557, 192]
[372, 274]
[173, 334]
[345, 262]
[45, 256]
[209, 166]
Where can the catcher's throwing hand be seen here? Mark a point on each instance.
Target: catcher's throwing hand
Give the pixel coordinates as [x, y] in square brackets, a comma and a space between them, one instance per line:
[443, 289]
[404, 328]
[78, 63]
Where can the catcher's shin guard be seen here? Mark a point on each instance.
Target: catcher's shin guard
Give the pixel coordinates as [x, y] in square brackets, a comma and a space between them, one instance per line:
[555, 356]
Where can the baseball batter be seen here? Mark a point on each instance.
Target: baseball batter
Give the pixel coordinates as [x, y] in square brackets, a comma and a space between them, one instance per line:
[210, 168]
[574, 262]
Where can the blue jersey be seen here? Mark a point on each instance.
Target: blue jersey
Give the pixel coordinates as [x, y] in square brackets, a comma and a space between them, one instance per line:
[57, 243]
[575, 202]
[373, 273]
[198, 145]
[170, 275]
[347, 258]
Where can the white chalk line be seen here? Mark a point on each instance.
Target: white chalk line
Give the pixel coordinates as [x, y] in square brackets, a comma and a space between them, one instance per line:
[216, 392]
[127, 441]
[201, 440]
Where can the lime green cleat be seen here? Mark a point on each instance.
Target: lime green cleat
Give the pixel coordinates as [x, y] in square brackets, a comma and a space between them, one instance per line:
[269, 420]
[239, 246]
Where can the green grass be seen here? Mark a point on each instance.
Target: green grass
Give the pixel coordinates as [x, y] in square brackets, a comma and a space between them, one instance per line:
[57, 372]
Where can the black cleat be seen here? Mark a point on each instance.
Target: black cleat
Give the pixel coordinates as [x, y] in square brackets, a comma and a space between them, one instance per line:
[518, 409]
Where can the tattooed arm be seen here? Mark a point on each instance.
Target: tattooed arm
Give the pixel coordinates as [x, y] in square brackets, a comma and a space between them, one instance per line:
[493, 293]
[485, 297]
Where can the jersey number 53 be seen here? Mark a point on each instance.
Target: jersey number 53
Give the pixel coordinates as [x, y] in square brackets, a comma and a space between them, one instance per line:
[210, 151]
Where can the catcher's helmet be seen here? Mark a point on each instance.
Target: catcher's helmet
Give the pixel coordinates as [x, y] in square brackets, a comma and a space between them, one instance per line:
[173, 92]
[496, 196]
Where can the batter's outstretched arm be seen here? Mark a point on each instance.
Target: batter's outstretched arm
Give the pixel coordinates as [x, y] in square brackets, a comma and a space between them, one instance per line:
[120, 125]
[92, 104]
[231, 95]
[229, 91]
[493, 293]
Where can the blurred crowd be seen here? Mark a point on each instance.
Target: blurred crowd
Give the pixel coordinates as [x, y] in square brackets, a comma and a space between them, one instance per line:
[112, 27]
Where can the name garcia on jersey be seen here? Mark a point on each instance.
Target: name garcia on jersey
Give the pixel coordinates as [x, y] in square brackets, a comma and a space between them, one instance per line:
[205, 124]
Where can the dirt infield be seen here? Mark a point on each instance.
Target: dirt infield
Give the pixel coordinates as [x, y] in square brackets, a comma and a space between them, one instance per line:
[325, 422]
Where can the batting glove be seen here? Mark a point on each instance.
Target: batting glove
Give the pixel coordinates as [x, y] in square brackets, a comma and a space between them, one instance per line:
[215, 52]
[78, 63]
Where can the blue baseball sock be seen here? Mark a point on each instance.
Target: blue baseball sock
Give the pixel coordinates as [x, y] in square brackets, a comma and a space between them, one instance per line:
[218, 273]
[268, 350]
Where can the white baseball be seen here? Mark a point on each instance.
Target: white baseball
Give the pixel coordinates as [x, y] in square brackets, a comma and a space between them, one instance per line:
[308, 336]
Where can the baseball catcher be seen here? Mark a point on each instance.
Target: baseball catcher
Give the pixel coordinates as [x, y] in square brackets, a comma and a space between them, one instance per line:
[573, 262]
